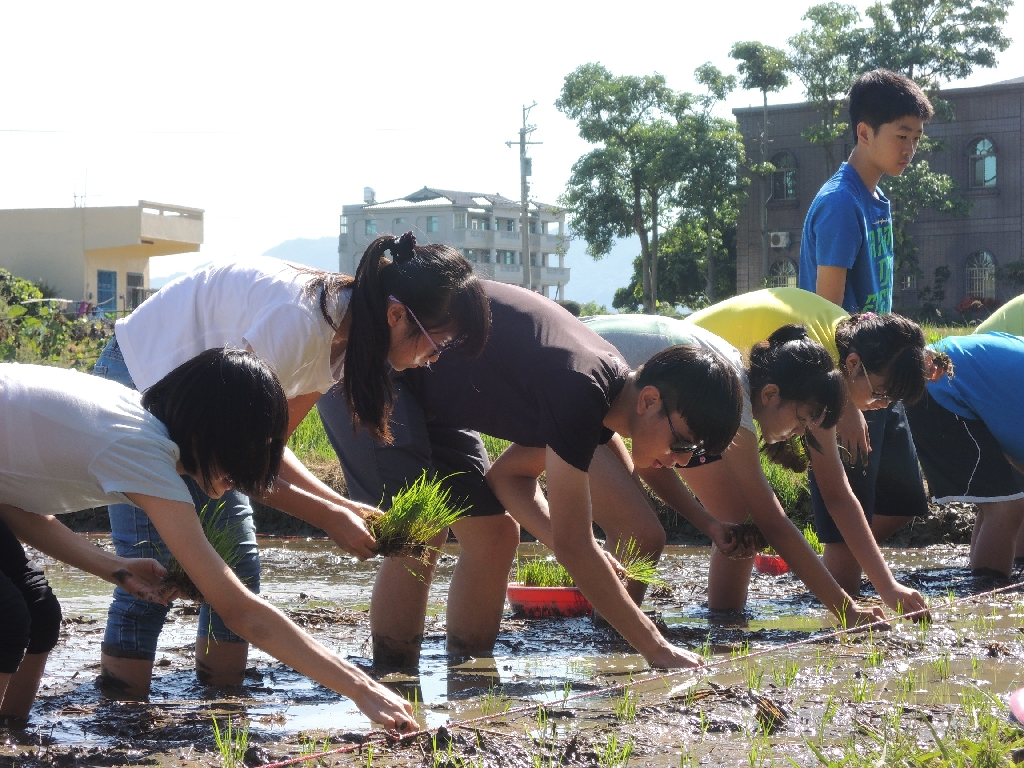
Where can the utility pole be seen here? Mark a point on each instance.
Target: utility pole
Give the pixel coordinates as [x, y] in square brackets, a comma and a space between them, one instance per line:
[525, 169]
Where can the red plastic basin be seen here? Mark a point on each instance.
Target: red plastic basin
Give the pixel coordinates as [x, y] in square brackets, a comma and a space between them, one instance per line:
[547, 602]
[773, 565]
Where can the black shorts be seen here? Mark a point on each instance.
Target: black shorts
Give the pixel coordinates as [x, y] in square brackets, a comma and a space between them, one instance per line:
[374, 473]
[890, 484]
[962, 459]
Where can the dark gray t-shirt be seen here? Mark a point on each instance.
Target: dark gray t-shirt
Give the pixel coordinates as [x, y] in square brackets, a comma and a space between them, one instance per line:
[544, 379]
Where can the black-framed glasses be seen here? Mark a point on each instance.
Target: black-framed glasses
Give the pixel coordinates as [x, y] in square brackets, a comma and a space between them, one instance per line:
[874, 395]
[679, 445]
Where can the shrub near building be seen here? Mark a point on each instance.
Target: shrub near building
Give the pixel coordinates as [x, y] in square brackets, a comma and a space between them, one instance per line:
[33, 331]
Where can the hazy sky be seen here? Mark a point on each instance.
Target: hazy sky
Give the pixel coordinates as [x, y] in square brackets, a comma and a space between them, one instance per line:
[272, 116]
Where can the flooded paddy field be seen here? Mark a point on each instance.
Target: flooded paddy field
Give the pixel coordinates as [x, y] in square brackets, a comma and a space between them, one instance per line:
[883, 697]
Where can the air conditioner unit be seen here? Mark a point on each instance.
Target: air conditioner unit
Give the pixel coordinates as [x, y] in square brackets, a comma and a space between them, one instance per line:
[779, 239]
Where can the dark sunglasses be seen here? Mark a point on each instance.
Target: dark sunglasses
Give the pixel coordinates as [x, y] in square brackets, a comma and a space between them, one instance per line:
[680, 445]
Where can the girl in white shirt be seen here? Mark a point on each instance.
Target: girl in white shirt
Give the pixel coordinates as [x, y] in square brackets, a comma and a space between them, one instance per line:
[69, 441]
[313, 329]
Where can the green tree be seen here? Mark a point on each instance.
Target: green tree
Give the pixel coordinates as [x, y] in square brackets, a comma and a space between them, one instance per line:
[713, 187]
[827, 57]
[762, 68]
[627, 182]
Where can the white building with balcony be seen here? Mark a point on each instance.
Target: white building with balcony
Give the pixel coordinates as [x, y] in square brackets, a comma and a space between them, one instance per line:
[99, 256]
[485, 228]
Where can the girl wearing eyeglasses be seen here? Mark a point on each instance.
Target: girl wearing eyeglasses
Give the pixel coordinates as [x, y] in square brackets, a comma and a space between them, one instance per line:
[881, 360]
[315, 330]
[70, 441]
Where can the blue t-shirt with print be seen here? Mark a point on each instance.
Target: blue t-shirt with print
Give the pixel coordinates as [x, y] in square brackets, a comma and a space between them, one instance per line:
[847, 226]
[987, 372]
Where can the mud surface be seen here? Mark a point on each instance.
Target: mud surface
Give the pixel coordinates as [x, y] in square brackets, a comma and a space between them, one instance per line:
[747, 706]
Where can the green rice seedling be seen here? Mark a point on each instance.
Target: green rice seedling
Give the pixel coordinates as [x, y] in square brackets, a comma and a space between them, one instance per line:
[829, 711]
[638, 567]
[790, 487]
[369, 755]
[760, 752]
[875, 656]
[614, 754]
[941, 665]
[418, 514]
[566, 691]
[687, 757]
[906, 684]
[308, 745]
[495, 702]
[705, 725]
[860, 689]
[224, 540]
[785, 676]
[741, 650]
[705, 648]
[413, 697]
[231, 744]
[625, 706]
[755, 674]
[542, 572]
[812, 539]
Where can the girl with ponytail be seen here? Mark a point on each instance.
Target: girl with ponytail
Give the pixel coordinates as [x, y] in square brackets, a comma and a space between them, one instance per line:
[316, 330]
[881, 360]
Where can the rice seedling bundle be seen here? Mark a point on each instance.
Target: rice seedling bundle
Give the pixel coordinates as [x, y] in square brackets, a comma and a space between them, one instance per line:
[418, 513]
[223, 539]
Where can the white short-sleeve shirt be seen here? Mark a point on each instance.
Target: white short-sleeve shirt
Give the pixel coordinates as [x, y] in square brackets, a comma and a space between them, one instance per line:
[260, 304]
[71, 441]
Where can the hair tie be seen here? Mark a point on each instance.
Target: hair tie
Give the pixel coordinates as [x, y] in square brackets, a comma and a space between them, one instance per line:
[404, 247]
[867, 315]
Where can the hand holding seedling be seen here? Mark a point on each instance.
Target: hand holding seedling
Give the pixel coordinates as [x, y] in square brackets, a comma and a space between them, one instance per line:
[347, 528]
[142, 577]
[906, 600]
[384, 706]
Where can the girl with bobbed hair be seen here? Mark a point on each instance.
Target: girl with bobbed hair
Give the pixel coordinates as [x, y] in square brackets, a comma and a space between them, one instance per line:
[880, 360]
[791, 389]
[69, 441]
[316, 330]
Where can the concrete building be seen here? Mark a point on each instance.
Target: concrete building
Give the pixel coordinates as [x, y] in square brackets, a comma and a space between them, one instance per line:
[97, 255]
[485, 228]
[983, 155]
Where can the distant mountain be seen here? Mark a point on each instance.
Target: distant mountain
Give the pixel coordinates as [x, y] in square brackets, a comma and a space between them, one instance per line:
[320, 253]
[597, 280]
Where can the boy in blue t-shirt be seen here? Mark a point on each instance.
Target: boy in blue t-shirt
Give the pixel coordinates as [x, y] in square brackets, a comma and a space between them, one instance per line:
[846, 256]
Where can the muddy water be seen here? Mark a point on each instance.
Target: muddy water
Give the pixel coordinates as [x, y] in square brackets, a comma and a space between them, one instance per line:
[717, 718]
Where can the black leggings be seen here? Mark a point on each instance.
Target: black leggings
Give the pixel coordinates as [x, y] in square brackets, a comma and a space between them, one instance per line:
[29, 610]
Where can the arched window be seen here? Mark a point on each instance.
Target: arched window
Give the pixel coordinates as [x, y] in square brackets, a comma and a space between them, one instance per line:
[782, 274]
[982, 156]
[981, 275]
[784, 177]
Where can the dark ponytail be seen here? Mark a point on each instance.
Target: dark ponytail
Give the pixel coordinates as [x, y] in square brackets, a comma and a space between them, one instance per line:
[804, 372]
[437, 284]
[889, 345]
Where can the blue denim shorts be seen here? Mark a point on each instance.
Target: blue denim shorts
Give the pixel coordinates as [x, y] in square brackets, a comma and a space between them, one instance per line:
[133, 624]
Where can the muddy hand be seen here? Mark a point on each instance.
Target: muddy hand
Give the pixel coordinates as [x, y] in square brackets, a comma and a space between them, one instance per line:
[737, 542]
[855, 616]
[384, 706]
[905, 600]
[143, 577]
[347, 528]
[673, 657]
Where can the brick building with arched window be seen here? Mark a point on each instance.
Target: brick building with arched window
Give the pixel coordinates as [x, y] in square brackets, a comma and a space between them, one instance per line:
[982, 153]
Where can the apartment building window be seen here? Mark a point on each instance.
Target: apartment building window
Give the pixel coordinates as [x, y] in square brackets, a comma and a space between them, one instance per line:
[908, 282]
[983, 163]
[431, 223]
[981, 275]
[399, 222]
[344, 225]
[533, 227]
[784, 177]
[782, 274]
[472, 256]
[460, 220]
[508, 257]
[475, 224]
[510, 225]
[370, 227]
